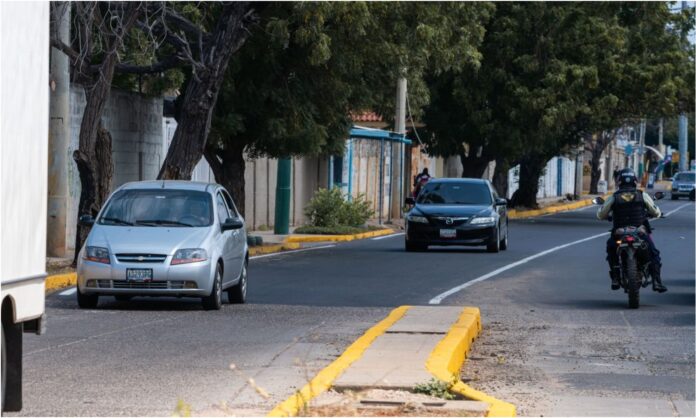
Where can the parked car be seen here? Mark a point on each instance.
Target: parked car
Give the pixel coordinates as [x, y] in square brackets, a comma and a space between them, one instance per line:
[457, 211]
[165, 238]
[683, 185]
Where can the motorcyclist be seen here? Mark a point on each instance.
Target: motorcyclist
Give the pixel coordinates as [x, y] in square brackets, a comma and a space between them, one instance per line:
[629, 206]
[420, 181]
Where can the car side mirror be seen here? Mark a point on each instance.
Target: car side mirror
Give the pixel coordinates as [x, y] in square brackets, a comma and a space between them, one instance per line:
[501, 202]
[598, 201]
[659, 195]
[410, 201]
[231, 224]
[86, 220]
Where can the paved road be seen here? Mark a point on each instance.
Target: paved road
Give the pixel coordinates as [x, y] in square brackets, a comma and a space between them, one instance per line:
[140, 358]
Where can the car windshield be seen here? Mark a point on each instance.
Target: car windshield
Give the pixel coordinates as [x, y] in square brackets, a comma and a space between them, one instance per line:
[455, 194]
[686, 177]
[157, 207]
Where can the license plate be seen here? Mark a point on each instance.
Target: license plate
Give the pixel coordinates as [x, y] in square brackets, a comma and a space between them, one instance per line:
[448, 233]
[139, 275]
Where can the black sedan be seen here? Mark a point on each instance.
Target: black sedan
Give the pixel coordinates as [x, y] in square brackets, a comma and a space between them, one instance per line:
[457, 211]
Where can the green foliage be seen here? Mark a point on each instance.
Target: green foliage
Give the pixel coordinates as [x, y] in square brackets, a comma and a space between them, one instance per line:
[328, 208]
[435, 388]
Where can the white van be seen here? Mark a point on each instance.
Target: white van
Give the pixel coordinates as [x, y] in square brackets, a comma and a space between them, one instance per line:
[24, 101]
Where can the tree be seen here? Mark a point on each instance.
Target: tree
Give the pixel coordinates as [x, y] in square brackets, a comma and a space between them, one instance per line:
[100, 30]
[308, 65]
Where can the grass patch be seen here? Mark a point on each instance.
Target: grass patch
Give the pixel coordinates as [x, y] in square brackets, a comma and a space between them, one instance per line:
[334, 230]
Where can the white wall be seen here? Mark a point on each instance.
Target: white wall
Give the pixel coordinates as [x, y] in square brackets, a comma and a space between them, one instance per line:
[548, 182]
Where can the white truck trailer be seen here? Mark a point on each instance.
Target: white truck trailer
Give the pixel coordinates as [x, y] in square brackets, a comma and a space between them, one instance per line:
[24, 119]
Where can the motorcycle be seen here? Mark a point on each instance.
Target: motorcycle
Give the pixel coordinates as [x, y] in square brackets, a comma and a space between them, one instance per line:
[634, 256]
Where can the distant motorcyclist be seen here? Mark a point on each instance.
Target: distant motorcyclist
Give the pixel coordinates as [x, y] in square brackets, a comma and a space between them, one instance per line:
[629, 206]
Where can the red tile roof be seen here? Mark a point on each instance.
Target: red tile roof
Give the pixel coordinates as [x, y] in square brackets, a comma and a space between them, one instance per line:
[366, 117]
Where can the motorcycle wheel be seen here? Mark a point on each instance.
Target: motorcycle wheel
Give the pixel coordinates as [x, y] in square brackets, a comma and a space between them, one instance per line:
[633, 280]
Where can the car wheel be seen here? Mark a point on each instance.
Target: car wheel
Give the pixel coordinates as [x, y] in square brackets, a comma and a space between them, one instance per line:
[410, 247]
[86, 301]
[123, 298]
[494, 247]
[213, 302]
[692, 195]
[4, 368]
[238, 292]
[504, 243]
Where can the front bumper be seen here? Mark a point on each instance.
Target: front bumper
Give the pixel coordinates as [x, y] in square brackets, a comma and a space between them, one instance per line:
[194, 279]
[469, 235]
[682, 192]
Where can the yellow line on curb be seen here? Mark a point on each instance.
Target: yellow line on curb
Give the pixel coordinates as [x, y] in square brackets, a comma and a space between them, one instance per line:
[335, 238]
[446, 360]
[523, 214]
[323, 380]
[276, 248]
[60, 281]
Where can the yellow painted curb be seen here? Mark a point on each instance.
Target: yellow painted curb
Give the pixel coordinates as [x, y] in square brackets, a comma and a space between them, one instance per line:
[323, 380]
[269, 249]
[523, 214]
[446, 360]
[322, 238]
[60, 281]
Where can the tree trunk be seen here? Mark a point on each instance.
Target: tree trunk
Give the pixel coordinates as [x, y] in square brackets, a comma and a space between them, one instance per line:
[473, 166]
[191, 135]
[596, 172]
[531, 169]
[228, 165]
[96, 173]
[500, 178]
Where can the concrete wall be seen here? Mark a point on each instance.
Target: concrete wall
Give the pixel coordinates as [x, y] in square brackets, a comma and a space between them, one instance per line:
[135, 124]
[549, 181]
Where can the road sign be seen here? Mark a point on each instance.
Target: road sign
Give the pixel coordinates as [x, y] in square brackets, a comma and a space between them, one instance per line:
[675, 156]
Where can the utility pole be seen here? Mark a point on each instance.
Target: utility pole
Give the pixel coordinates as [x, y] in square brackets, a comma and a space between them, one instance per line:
[579, 162]
[397, 195]
[661, 144]
[641, 149]
[59, 137]
[282, 203]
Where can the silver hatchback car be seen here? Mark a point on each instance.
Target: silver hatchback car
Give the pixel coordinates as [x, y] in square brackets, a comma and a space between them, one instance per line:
[165, 238]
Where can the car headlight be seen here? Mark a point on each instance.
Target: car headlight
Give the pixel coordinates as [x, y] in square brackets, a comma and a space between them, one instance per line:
[189, 255]
[97, 254]
[419, 219]
[483, 220]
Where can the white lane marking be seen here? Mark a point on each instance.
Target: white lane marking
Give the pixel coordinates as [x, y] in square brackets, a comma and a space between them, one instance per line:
[437, 299]
[68, 292]
[291, 252]
[674, 210]
[398, 234]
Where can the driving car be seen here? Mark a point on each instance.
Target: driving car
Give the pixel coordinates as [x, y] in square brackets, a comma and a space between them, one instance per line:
[165, 238]
[683, 185]
[457, 211]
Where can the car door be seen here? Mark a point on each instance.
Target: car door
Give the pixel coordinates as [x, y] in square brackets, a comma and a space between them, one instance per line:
[238, 237]
[502, 212]
[226, 241]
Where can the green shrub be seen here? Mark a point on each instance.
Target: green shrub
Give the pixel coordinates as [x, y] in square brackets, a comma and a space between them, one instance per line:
[328, 208]
[333, 230]
[435, 388]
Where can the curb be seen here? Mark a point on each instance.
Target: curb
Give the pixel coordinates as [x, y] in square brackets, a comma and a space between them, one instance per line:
[447, 358]
[60, 281]
[523, 214]
[275, 248]
[322, 238]
[323, 380]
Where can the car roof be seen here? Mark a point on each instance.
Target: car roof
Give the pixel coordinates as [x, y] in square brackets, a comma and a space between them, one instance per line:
[171, 185]
[458, 180]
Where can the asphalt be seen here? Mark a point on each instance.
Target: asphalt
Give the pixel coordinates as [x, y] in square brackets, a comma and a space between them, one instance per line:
[142, 357]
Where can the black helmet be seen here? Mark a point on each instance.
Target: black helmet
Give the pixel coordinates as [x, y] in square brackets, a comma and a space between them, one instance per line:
[626, 178]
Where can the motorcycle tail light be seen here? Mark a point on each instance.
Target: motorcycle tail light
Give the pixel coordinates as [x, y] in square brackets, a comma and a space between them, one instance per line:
[629, 239]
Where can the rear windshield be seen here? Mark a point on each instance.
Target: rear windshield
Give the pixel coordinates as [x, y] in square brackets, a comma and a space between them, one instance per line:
[157, 208]
[455, 194]
[686, 177]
